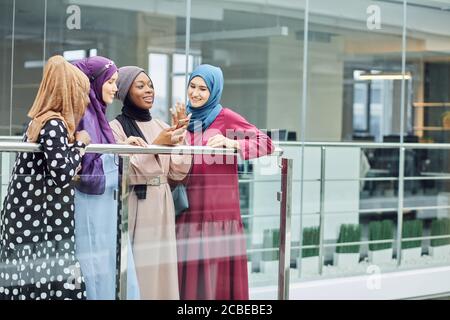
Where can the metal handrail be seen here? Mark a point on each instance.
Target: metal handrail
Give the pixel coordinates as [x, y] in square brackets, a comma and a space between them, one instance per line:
[121, 149]
[9, 146]
[11, 138]
[367, 145]
[342, 212]
[349, 244]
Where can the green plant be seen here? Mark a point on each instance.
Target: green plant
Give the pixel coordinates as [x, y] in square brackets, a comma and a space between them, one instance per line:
[310, 237]
[349, 233]
[412, 229]
[271, 240]
[381, 230]
[440, 227]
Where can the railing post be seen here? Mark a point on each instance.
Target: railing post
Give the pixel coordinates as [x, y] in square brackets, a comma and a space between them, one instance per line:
[322, 208]
[122, 230]
[400, 193]
[284, 262]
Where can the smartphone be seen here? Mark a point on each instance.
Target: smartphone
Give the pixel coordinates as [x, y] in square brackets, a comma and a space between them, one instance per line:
[183, 122]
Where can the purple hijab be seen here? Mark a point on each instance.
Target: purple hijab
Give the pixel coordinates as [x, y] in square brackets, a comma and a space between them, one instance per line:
[98, 70]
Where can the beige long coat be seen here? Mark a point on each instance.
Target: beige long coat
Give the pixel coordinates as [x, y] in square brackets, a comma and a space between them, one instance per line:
[152, 220]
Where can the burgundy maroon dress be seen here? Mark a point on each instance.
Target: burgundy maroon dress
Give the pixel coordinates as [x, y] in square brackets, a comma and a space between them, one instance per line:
[212, 260]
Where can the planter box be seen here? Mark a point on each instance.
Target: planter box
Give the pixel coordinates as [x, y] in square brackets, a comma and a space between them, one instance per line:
[380, 256]
[345, 260]
[411, 254]
[310, 265]
[269, 267]
[440, 251]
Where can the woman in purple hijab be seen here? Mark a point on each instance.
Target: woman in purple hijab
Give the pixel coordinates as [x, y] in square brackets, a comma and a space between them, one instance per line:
[95, 206]
[102, 74]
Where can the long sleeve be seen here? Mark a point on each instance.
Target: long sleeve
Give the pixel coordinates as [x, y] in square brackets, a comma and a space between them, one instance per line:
[142, 166]
[120, 137]
[92, 178]
[253, 143]
[175, 167]
[180, 165]
[62, 160]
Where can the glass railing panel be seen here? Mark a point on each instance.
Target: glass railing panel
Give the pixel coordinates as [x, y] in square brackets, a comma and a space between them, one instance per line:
[113, 244]
[346, 192]
[357, 213]
[224, 245]
[56, 243]
[426, 209]
[260, 180]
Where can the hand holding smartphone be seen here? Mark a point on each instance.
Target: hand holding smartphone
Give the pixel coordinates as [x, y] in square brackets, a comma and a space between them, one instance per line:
[183, 122]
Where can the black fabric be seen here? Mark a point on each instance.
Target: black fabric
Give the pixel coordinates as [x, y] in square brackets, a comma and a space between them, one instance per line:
[134, 112]
[39, 199]
[131, 113]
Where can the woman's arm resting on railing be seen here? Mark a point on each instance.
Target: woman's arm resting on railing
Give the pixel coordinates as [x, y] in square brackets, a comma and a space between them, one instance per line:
[62, 160]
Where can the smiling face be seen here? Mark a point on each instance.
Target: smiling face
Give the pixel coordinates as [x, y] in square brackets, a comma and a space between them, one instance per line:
[198, 92]
[109, 89]
[142, 92]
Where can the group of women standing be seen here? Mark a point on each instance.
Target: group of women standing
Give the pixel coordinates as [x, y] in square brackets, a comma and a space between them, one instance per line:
[58, 226]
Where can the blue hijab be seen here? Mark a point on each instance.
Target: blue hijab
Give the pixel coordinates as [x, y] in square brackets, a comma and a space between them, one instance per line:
[213, 78]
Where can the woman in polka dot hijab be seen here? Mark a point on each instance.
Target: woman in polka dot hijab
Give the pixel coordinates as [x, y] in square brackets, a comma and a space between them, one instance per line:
[37, 245]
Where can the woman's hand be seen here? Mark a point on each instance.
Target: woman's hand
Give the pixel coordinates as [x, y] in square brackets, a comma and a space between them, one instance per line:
[135, 141]
[179, 118]
[178, 112]
[220, 141]
[170, 136]
[83, 136]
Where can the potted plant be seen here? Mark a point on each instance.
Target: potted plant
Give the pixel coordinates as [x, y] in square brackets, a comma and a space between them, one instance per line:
[269, 262]
[310, 257]
[440, 247]
[412, 249]
[380, 253]
[347, 256]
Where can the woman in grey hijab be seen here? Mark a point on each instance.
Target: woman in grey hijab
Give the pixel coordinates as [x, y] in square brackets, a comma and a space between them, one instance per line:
[151, 208]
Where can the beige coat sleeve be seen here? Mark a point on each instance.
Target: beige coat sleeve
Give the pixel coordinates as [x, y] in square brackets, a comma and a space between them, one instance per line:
[180, 165]
[120, 137]
[143, 166]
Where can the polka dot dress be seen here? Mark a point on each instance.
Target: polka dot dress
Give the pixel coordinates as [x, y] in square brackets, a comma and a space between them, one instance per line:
[37, 245]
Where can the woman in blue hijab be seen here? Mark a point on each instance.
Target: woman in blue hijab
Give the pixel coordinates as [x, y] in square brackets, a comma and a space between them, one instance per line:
[213, 85]
[210, 235]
